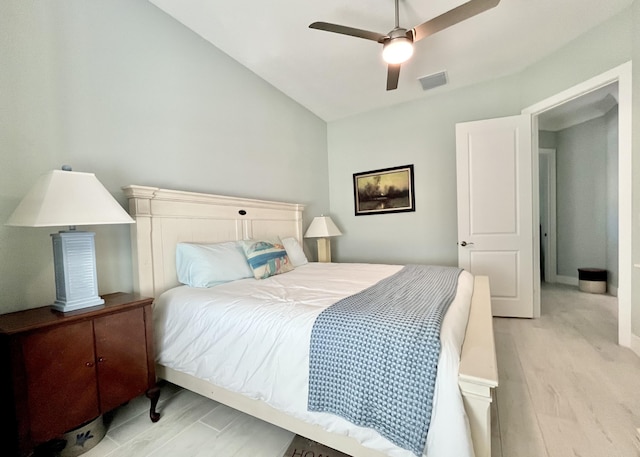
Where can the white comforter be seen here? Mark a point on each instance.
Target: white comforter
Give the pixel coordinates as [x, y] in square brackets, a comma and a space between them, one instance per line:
[252, 337]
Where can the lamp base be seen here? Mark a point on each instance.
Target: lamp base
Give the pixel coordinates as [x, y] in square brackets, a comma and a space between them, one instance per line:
[74, 261]
[67, 306]
[324, 250]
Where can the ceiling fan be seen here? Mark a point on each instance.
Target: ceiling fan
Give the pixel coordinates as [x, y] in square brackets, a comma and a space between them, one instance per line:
[397, 45]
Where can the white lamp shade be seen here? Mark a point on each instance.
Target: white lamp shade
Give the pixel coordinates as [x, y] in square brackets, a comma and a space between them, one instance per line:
[322, 226]
[70, 198]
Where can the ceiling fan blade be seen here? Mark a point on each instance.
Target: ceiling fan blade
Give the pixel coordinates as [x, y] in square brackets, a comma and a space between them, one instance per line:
[452, 17]
[393, 74]
[344, 30]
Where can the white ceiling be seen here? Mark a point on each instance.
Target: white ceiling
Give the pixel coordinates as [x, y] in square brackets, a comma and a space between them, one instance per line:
[336, 76]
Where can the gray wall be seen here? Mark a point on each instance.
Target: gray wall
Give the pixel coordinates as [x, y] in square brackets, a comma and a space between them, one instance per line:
[581, 197]
[420, 133]
[547, 139]
[118, 88]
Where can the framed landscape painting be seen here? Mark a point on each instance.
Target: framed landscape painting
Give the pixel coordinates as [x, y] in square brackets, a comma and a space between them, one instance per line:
[389, 190]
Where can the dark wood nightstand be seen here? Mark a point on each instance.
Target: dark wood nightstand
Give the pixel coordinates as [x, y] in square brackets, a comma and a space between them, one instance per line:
[58, 371]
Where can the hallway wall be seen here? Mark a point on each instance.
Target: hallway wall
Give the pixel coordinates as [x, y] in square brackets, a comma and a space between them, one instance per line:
[587, 197]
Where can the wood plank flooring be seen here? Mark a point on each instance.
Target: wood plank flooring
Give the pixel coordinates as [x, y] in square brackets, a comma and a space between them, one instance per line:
[566, 389]
[190, 426]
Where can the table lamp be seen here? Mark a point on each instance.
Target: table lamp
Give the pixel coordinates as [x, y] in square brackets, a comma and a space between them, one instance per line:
[322, 227]
[69, 198]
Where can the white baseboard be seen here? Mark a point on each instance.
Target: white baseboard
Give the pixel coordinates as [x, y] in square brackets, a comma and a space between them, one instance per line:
[635, 344]
[568, 280]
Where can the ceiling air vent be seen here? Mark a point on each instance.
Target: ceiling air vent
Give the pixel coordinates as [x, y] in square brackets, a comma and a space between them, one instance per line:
[434, 80]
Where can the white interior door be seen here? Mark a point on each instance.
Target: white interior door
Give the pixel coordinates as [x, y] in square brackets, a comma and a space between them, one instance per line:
[495, 209]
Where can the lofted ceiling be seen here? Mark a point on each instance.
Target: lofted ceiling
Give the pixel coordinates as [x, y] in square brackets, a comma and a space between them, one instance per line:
[336, 76]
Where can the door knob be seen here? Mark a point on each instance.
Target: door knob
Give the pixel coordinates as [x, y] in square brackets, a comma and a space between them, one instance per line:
[464, 243]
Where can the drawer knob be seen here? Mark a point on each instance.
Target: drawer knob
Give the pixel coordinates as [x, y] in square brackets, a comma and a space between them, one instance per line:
[89, 364]
[101, 359]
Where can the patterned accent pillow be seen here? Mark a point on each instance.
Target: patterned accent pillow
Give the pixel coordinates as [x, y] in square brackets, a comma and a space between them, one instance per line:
[266, 257]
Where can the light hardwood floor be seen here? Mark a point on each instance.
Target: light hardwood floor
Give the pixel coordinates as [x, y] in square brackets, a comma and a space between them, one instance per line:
[566, 389]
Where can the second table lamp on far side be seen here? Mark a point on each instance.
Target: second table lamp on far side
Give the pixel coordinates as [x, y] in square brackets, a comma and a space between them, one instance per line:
[322, 228]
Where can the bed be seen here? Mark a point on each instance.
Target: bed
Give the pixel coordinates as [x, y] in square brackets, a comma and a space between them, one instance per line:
[166, 217]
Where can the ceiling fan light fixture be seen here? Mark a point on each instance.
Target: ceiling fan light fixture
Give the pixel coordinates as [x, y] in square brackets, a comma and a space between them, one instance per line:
[397, 50]
[397, 45]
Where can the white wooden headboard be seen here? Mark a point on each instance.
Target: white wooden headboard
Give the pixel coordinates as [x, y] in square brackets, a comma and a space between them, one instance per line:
[166, 217]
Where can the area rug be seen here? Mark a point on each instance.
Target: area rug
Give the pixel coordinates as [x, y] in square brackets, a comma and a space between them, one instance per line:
[304, 447]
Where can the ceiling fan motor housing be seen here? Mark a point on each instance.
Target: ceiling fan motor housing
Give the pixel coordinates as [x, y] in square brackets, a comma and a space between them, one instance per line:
[398, 46]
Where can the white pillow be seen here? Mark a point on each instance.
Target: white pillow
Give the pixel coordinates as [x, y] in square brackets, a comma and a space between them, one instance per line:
[295, 252]
[207, 265]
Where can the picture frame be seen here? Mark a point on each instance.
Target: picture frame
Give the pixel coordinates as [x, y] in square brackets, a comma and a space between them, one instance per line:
[388, 190]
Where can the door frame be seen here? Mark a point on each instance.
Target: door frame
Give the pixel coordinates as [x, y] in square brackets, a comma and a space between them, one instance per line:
[623, 76]
[550, 267]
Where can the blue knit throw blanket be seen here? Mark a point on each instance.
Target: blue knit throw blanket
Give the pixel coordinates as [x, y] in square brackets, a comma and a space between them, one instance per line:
[374, 355]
